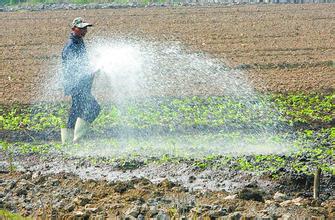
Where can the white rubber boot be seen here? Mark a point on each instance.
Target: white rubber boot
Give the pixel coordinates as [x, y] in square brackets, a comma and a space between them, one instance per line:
[80, 130]
[66, 135]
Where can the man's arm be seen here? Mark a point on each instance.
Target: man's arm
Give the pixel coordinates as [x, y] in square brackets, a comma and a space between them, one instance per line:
[70, 72]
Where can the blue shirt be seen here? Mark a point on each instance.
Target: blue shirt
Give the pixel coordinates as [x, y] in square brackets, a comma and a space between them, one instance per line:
[77, 77]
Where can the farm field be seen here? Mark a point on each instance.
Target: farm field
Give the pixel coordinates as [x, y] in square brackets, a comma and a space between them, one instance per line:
[284, 48]
[229, 117]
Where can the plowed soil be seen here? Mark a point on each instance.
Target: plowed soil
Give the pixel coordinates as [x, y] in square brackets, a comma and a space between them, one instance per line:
[283, 48]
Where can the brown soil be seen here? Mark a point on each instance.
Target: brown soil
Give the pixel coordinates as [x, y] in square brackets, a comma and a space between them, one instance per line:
[66, 196]
[284, 48]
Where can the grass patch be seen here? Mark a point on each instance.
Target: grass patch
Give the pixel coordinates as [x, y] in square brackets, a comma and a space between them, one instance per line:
[8, 215]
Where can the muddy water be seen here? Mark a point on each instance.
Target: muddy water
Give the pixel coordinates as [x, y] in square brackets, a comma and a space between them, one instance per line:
[184, 174]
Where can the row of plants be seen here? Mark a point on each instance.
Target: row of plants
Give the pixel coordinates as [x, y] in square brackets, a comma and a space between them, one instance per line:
[304, 161]
[309, 151]
[273, 111]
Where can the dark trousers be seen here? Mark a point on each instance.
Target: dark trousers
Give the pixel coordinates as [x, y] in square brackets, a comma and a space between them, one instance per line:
[83, 106]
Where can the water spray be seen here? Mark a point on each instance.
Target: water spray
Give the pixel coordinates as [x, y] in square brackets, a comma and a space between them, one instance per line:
[136, 72]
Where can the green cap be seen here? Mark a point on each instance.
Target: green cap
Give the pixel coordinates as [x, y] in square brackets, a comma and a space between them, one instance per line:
[79, 23]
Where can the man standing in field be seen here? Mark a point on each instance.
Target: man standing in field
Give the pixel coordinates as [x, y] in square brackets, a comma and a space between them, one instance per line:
[77, 81]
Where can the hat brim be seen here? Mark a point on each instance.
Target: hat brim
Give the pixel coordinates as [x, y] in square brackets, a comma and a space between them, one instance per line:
[83, 25]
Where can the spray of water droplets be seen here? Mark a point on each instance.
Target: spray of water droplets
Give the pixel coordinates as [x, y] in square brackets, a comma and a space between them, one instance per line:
[133, 72]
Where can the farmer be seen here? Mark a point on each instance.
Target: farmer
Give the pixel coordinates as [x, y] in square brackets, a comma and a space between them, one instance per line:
[77, 81]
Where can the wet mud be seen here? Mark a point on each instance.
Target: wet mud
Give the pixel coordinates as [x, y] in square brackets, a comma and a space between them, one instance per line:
[58, 188]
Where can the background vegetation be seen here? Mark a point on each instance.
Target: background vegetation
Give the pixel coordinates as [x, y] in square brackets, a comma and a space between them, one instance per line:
[29, 2]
